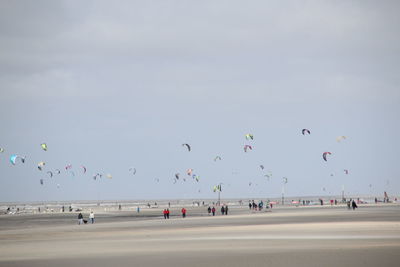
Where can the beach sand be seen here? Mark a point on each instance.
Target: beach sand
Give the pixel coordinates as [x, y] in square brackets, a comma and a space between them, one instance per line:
[329, 236]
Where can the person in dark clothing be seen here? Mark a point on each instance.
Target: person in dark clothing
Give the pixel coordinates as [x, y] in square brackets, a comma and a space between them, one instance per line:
[209, 210]
[250, 205]
[226, 210]
[167, 213]
[222, 210]
[213, 211]
[354, 205]
[80, 218]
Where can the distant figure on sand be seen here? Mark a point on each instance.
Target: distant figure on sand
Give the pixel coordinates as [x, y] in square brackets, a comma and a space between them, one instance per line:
[91, 217]
[183, 212]
[80, 218]
[165, 213]
[354, 205]
[213, 211]
[209, 211]
[226, 210]
[222, 210]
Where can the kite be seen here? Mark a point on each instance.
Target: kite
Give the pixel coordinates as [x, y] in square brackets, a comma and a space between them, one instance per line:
[57, 171]
[41, 165]
[109, 176]
[340, 138]
[41, 181]
[1, 150]
[84, 169]
[188, 147]
[346, 171]
[249, 136]
[69, 166]
[217, 188]
[305, 131]
[247, 147]
[189, 172]
[13, 159]
[262, 167]
[284, 180]
[133, 169]
[50, 173]
[44, 146]
[217, 157]
[325, 154]
[177, 176]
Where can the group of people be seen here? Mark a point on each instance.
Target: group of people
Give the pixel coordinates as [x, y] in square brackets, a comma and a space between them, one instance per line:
[82, 221]
[224, 210]
[166, 213]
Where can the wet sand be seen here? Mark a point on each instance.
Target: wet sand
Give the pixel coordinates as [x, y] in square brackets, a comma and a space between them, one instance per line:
[369, 236]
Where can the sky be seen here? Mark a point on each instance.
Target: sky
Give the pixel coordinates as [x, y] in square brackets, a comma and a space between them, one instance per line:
[114, 86]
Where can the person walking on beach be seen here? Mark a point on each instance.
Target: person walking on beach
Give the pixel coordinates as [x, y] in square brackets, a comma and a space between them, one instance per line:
[80, 218]
[91, 217]
[213, 211]
[209, 211]
[354, 205]
[183, 212]
[167, 213]
[226, 210]
[222, 210]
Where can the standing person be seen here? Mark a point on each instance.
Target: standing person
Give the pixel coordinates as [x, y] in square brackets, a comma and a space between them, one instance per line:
[91, 217]
[213, 211]
[222, 210]
[226, 210]
[80, 218]
[209, 211]
[354, 205]
[167, 213]
[250, 205]
[183, 212]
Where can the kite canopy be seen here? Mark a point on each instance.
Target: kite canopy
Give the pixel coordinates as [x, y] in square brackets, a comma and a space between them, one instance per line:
[187, 146]
[132, 170]
[13, 159]
[340, 138]
[109, 176]
[285, 180]
[41, 165]
[262, 167]
[1, 150]
[177, 176]
[249, 136]
[189, 172]
[346, 171]
[44, 146]
[84, 169]
[325, 154]
[305, 131]
[247, 147]
[217, 158]
[50, 174]
[217, 188]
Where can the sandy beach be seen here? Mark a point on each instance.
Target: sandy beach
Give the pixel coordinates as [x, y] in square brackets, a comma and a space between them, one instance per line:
[317, 236]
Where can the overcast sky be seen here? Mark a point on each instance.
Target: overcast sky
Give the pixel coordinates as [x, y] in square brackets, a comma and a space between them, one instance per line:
[118, 84]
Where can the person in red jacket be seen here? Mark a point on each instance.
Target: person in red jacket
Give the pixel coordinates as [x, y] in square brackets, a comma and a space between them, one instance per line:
[213, 211]
[165, 213]
[183, 212]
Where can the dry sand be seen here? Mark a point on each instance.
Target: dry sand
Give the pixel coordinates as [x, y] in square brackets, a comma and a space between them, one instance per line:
[369, 236]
